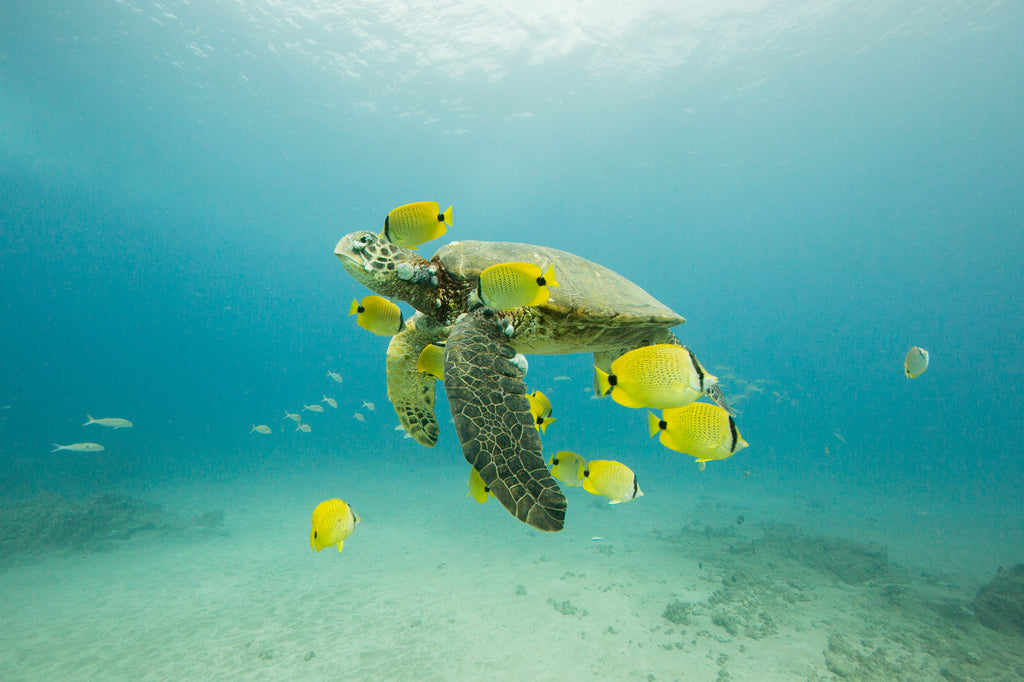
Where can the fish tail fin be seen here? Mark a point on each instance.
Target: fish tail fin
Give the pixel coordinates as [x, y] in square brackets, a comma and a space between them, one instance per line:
[340, 544]
[354, 308]
[91, 420]
[545, 423]
[604, 383]
[700, 464]
[549, 277]
[653, 423]
[58, 447]
[540, 298]
[253, 428]
[446, 217]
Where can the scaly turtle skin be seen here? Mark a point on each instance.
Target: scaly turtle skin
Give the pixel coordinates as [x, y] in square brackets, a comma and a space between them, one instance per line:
[493, 420]
[594, 310]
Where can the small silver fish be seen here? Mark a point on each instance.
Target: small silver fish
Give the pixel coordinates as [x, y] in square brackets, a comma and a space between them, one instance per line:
[79, 447]
[562, 377]
[370, 406]
[359, 417]
[260, 428]
[293, 417]
[112, 422]
[313, 408]
[334, 375]
[330, 401]
[305, 428]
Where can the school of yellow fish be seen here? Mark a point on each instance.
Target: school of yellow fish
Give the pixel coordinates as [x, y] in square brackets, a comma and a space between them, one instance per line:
[662, 377]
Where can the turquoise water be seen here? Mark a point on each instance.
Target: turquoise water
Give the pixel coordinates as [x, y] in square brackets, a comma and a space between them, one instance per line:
[815, 186]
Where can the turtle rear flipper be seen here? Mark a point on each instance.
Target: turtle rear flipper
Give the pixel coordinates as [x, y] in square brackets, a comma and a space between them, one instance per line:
[493, 421]
[411, 392]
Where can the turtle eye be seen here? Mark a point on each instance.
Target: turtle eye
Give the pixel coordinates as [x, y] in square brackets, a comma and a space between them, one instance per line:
[365, 239]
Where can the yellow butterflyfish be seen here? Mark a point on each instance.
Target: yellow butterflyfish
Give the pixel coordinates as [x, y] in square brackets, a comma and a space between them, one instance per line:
[611, 479]
[705, 432]
[414, 224]
[540, 410]
[333, 522]
[478, 490]
[659, 376]
[542, 402]
[431, 361]
[568, 467]
[377, 315]
[916, 362]
[515, 285]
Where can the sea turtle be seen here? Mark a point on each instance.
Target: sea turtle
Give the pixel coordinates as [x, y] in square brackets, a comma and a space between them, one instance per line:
[593, 310]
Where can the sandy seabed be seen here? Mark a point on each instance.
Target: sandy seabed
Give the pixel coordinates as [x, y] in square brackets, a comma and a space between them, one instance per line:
[433, 586]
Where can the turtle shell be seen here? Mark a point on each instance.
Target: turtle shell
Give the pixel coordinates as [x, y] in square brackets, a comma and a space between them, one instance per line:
[587, 292]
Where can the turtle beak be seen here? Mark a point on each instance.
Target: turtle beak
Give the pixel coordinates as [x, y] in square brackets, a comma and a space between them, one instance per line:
[344, 248]
[352, 253]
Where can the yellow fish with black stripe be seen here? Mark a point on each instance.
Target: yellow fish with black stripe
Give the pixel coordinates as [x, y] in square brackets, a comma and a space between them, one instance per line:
[515, 285]
[701, 430]
[333, 522]
[568, 467]
[414, 224]
[478, 490]
[611, 479]
[540, 410]
[377, 315]
[658, 376]
[431, 361]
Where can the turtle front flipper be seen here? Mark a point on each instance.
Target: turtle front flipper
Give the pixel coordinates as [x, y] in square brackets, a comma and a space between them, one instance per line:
[493, 421]
[411, 392]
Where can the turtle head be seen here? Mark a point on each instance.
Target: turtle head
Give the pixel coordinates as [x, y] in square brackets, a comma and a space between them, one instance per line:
[387, 269]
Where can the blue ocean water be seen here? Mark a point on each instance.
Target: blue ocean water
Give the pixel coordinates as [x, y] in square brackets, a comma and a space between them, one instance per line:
[815, 186]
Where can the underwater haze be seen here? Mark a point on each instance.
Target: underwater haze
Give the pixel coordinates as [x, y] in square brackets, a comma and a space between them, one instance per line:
[816, 186]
